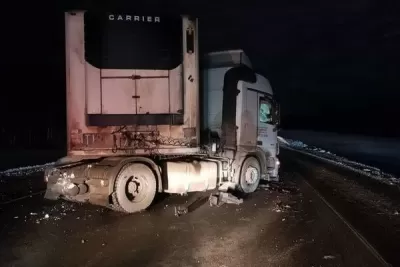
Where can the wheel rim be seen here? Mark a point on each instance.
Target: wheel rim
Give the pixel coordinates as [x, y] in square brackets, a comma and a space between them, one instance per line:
[135, 188]
[251, 175]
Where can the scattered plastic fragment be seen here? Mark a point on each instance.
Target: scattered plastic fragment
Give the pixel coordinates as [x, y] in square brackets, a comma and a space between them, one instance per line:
[221, 198]
[179, 211]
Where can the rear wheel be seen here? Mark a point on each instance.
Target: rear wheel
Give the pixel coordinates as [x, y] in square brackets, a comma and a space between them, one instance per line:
[134, 188]
[250, 175]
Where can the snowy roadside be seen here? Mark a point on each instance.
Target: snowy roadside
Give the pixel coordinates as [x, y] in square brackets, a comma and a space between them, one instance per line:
[24, 171]
[322, 154]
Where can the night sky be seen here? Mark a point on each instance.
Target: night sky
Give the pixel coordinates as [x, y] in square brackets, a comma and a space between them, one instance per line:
[334, 66]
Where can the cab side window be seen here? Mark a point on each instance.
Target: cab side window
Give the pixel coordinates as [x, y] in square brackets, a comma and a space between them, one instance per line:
[265, 111]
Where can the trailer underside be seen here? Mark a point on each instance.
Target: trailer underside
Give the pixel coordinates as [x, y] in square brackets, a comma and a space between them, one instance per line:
[129, 183]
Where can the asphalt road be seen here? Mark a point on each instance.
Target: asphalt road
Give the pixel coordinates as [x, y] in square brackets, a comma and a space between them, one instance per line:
[287, 224]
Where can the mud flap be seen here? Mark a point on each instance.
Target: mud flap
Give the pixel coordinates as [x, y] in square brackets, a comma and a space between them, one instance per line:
[51, 194]
[222, 197]
[273, 179]
[265, 177]
[99, 199]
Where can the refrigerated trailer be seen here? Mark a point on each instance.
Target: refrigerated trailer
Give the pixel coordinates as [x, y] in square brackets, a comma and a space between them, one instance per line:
[146, 114]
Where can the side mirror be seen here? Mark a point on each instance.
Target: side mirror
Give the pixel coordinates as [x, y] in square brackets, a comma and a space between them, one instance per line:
[276, 113]
[279, 114]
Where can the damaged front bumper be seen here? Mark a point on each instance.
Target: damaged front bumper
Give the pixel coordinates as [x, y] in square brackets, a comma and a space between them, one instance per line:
[62, 182]
[80, 182]
[273, 165]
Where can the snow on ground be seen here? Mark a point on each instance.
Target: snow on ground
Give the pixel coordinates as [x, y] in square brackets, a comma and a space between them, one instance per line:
[24, 171]
[380, 152]
[338, 160]
[54, 213]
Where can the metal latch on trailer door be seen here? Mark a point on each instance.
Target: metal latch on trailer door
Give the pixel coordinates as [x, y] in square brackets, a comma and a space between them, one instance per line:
[190, 40]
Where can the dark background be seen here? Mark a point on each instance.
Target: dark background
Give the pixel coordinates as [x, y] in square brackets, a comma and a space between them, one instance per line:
[334, 65]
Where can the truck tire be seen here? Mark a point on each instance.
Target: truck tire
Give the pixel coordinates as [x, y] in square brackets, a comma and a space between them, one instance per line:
[134, 188]
[250, 175]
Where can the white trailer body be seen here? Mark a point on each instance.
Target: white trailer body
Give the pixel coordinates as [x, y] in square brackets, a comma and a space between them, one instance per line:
[142, 119]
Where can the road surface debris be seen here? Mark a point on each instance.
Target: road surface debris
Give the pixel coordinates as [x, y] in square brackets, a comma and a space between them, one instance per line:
[179, 211]
[221, 198]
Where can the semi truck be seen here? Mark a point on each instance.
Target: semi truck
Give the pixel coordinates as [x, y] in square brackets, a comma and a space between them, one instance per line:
[147, 114]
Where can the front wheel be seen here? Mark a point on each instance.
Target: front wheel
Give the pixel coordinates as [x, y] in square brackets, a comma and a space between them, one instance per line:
[134, 188]
[250, 175]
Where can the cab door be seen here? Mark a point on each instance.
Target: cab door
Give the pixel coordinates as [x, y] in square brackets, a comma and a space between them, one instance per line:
[267, 130]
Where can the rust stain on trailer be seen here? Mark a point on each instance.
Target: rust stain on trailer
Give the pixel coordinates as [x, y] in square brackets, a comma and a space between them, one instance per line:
[94, 91]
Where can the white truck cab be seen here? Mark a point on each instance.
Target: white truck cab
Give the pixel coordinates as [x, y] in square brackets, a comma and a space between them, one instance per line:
[252, 108]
